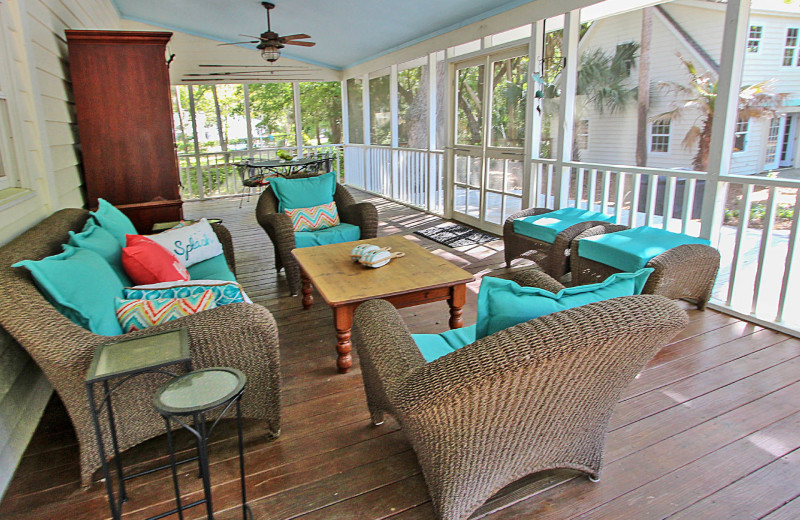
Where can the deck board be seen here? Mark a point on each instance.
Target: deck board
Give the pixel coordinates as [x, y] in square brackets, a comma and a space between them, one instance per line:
[710, 428]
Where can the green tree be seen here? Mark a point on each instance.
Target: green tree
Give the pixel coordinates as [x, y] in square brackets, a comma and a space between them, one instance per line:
[699, 95]
[272, 108]
[321, 109]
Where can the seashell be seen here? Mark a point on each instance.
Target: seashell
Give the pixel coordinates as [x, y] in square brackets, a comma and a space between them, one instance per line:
[379, 258]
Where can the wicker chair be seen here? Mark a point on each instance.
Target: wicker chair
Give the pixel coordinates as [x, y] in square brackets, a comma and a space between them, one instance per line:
[687, 271]
[279, 227]
[532, 397]
[238, 335]
[552, 258]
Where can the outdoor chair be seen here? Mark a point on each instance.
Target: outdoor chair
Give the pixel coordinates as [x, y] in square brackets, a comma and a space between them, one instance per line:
[536, 396]
[548, 245]
[685, 266]
[278, 226]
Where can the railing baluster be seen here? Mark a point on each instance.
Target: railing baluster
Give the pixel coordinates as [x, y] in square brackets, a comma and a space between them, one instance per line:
[741, 232]
[637, 186]
[549, 186]
[669, 201]
[605, 192]
[592, 190]
[620, 200]
[579, 188]
[688, 204]
[766, 239]
[790, 250]
[652, 190]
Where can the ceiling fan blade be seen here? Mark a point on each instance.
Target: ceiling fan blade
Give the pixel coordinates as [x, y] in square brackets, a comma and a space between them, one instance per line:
[304, 44]
[251, 36]
[295, 37]
[237, 43]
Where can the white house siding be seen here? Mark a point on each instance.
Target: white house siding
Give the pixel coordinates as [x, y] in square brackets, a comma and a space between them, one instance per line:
[44, 126]
[612, 137]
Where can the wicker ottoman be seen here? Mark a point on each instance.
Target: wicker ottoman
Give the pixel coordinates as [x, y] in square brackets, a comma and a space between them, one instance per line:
[685, 266]
[551, 249]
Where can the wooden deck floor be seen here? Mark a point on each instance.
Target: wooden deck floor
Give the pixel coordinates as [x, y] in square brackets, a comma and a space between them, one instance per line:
[710, 430]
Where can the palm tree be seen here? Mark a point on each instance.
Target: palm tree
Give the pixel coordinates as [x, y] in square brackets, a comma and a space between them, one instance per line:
[700, 94]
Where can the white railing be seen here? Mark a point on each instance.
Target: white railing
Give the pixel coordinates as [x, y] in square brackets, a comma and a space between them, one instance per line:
[214, 174]
[756, 280]
[409, 175]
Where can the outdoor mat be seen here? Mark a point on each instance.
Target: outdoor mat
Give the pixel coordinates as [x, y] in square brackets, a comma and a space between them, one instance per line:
[455, 235]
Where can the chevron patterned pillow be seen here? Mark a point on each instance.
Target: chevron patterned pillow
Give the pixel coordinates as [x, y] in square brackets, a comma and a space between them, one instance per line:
[314, 218]
[140, 314]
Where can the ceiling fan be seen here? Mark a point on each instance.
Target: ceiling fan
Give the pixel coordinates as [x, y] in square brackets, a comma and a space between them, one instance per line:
[270, 43]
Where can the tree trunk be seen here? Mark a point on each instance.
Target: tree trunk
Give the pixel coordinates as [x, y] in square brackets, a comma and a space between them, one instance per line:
[417, 114]
[644, 87]
[700, 161]
[222, 141]
[180, 120]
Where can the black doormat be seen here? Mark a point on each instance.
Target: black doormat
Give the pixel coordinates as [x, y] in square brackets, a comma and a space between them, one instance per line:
[454, 235]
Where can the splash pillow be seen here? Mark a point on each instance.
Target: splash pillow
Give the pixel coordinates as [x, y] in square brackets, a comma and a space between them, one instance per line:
[113, 220]
[97, 239]
[191, 244]
[305, 192]
[316, 217]
[224, 292]
[81, 285]
[147, 262]
[503, 303]
[141, 314]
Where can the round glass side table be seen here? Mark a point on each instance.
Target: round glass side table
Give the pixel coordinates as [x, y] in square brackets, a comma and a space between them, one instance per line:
[193, 395]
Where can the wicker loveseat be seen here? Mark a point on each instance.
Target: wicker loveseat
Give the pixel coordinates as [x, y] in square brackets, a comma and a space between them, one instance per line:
[533, 397]
[237, 335]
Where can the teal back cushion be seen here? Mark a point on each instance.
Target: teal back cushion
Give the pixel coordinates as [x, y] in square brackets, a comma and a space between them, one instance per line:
[547, 226]
[631, 249]
[434, 346]
[114, 221]
[503, 303]
[304, 192]
[331, 235]
[80, 284]
[97, 239]
[215, 268]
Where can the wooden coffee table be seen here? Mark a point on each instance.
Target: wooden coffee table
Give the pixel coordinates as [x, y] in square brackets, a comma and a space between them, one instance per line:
[417, 278]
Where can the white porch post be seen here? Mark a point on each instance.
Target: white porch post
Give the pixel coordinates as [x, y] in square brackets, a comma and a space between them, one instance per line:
[734, 42]
[432, 158]
[345, 128]
[247, 120]
[567, 108]
[298, 123]
[394, 126]
[367, 131]
[533, 120]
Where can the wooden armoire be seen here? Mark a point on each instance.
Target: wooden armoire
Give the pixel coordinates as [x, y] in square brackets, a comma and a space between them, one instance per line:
[120, 83]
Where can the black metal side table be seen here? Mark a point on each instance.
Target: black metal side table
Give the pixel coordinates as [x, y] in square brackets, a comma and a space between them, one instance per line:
[192, 395]
[122, 361]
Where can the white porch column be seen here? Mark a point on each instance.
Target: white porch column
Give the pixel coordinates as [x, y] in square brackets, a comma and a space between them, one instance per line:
[247, 120]
[734, 42]
[567, 107]
[367, 131]
[432, 158]
[394, 126]
[345, 129]
[533, 119]
[298, 122]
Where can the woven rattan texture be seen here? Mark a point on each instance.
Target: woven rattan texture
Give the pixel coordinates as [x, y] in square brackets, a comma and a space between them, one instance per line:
[533, 397]
[238, 335]
[279, 227]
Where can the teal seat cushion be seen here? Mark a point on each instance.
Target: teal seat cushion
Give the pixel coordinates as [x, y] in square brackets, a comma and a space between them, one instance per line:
[323, 237]
[97, 239]
[114, 221]
[434, 346]
[547, 226]
[215, 268]
[631, 249]
[503, 303]
[304, 192]
[81, 285]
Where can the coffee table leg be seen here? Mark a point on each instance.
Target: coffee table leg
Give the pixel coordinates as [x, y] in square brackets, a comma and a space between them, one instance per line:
[306, 289]
[343, 321]
[458, 297]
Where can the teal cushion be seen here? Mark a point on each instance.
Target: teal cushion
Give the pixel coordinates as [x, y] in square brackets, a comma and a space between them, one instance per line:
[215, 268]
[94, 238]
[434, 346]
[81, 285]
[331, 235]
[547, 226]
[631, 249]
[503, 303]
[114, 221]
[305, 192]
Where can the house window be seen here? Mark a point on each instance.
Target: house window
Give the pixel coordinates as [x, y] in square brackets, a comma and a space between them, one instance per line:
[740, 135]
[772, 140]
[6, 165]
[790, 48]
[754, 38]
[659, 136]
[582, 134]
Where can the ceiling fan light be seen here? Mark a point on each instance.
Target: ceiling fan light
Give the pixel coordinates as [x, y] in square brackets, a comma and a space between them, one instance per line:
[270, 54]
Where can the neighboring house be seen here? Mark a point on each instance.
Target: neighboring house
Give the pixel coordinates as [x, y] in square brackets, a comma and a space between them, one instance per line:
[693, 29]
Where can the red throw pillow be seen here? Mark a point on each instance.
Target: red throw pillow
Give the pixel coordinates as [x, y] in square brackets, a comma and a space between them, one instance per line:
[147, 262]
